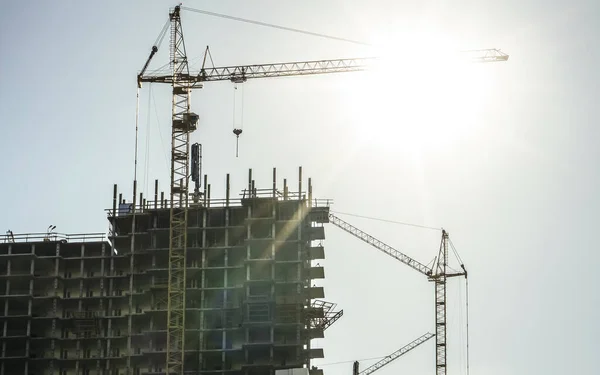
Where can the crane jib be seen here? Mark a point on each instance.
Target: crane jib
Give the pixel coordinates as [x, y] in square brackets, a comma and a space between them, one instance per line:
[296, 68]
[387, 249]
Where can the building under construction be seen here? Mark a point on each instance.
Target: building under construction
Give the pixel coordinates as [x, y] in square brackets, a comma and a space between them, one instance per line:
[91, 304]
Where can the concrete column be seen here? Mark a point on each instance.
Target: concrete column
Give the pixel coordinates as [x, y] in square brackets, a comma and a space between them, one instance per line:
[202, 284]
[100, 312]
[110, 308]
[55, 308]
[6, 306]
[299, 224]
[226, 332]
[273, 303]
[29, 309]
[131, 270]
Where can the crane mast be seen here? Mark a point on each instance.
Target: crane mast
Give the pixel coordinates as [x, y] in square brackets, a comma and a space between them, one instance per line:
[183, 123]
[440, 306]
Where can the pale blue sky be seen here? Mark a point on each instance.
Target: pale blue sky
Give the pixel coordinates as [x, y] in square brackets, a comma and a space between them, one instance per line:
[516, 185]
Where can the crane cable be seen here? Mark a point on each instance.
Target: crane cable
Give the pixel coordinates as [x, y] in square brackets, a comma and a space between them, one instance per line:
[137, 119]
[466, 298]
[455, 252]
[387, 221]
[162, 34]
[349, 361]
[147, 151]
[158, 126]
[159, 40]
[259, 23]
[237, 131]
[460, 316]
[467, 307]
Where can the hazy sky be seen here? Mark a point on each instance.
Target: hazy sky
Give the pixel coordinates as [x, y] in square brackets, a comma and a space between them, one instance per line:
[504, 156]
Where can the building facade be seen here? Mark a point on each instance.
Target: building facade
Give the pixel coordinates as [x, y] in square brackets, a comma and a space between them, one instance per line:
[84, 304]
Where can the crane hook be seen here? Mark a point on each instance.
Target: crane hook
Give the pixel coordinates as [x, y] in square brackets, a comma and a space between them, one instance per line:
[237, 133]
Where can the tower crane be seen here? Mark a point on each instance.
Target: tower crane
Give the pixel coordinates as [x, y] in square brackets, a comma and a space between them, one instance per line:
[437, 274]
[184, 122]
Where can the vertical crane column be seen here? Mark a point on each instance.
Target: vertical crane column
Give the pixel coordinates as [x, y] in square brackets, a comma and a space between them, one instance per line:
[440, 306]
[184, 122]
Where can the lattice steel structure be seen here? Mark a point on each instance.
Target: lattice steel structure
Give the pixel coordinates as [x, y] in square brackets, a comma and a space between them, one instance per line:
[242, 73]
[439, 279]
[395, 355]
[437, 274]
[183, 123]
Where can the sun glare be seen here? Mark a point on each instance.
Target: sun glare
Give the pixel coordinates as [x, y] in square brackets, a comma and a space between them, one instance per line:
[420, 96]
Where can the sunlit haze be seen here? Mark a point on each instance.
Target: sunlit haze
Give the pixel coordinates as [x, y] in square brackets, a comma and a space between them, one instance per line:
[503, 155]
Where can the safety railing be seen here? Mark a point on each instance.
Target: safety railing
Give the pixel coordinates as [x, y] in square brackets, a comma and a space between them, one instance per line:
[52, 237]
[124, 209]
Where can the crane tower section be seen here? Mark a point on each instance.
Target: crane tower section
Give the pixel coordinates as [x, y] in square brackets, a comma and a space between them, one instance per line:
[183, 123]
[440, 306]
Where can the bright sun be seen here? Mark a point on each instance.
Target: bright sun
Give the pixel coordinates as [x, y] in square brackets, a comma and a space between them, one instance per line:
[421, 98]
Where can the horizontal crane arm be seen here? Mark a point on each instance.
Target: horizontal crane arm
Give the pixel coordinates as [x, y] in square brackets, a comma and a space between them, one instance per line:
[379, 245]
[242, 73]
[395, 355]
[486, 55]
[245, 72]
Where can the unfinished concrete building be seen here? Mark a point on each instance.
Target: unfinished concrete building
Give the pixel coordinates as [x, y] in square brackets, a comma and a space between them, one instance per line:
[80, 304]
